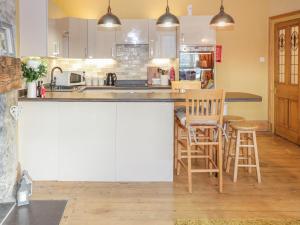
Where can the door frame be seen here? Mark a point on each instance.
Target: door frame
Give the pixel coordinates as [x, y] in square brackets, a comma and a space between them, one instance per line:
[271, 73]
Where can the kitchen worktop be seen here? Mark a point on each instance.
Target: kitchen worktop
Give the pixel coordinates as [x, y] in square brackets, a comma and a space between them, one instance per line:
[98, 96]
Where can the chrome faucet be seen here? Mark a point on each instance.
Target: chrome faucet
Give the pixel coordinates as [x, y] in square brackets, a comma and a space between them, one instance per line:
[53, 80]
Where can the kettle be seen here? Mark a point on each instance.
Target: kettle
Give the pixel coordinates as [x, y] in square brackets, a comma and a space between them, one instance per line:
[111, 79]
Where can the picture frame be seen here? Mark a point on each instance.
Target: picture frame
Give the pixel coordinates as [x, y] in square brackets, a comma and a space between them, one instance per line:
[7, 43]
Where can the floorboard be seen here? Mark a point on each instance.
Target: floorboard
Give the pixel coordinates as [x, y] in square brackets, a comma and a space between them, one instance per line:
[161, 203]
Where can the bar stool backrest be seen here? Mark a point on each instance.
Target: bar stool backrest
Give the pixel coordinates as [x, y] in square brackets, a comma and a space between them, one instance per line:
[186, 85]
[204, 106]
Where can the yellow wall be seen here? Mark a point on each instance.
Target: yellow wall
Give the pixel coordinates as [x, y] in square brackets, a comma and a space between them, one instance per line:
[242, 47]
[283, 6]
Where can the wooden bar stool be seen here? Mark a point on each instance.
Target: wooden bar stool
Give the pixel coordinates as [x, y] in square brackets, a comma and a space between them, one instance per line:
[179, 129]
[244, 136]
[227, 120]
[202, 121]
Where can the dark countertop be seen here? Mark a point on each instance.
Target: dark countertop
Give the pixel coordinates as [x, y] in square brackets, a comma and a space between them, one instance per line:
[81, 96]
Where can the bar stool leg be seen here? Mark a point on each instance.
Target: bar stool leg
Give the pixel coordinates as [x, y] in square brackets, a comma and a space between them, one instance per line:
[220, 159]
[210, 149]
[256, 157]
[237, 155]
[230, 152]
[189, 159]
[176, 144]
[249, 154]
[178, 159]
[226, 144]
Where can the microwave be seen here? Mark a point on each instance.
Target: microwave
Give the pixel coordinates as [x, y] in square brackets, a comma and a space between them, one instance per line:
[70, 79]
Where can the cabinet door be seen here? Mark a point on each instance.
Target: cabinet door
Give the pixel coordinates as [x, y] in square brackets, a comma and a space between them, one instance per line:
[195, 30]
[162, 42]
[58, 37]
[77, 38]
[86, 140]
[38, 140]
[33, 27]
[133, 32]
[101, 41]
[144, 142]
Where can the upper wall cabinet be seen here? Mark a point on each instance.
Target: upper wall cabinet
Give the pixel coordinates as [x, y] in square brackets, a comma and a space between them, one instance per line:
[68, 38]
[195, 30]
[101, 41]
[162, 41]
[133, 31]
[33, 27]
[58, 37]
[78, 38]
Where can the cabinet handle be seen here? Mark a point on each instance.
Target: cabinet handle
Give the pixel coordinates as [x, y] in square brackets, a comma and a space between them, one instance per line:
[86, 52]
[112, 52]
[182, 38]
[151, 49]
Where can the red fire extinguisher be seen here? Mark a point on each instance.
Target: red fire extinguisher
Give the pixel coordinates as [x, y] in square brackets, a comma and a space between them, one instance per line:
[219, 53]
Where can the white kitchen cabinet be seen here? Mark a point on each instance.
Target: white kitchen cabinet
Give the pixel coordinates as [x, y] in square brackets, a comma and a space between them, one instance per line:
[78, 38]
[101, 41]
[195, 30]
[133, 31]
[38, 140]
[162, 41]
[33, 21]
[86, 140]
[144, 142]
[97, 141]
[58, 37]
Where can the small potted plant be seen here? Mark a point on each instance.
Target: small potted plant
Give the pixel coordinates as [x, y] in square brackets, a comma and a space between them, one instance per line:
[33, 69]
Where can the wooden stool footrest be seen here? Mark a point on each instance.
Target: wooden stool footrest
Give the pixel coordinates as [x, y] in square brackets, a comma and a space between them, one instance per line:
[205, 170]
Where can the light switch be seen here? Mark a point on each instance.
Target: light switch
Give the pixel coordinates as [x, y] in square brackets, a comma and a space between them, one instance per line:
[262, 59]
[190, 10]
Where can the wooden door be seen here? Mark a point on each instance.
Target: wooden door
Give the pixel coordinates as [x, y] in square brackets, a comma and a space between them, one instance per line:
[287, 107]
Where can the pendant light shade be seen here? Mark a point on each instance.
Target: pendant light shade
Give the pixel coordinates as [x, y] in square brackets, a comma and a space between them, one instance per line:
[167, 19]
[222, 19]
[109, 20]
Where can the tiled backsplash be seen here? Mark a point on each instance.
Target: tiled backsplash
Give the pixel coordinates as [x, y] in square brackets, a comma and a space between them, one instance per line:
[130, 63]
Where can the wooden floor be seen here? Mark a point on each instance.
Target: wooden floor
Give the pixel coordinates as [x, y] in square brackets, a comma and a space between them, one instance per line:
[161, 203]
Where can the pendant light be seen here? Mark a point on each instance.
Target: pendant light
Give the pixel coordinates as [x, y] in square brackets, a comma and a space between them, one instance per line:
[109, 20]
[222, 19]
[167, 19]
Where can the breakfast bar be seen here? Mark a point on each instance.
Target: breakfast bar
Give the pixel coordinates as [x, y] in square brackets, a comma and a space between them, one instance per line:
[102, 136]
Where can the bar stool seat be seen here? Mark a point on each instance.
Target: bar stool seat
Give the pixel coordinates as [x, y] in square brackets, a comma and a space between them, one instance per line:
[232, 118]
[244, 125]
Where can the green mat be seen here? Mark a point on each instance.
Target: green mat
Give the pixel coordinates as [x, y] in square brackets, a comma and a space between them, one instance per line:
[238, 222]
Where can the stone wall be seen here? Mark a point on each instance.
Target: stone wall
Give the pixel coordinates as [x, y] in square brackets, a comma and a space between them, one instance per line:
[8, 127]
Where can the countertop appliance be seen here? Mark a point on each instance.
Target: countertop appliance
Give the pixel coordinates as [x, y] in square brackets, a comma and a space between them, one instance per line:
[197, 63]
[111, 79]
[68, 78]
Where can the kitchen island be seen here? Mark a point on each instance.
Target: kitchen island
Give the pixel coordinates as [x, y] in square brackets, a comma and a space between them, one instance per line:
[101, 136]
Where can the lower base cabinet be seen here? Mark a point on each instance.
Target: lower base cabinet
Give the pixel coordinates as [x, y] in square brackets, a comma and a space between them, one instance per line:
[96, 141]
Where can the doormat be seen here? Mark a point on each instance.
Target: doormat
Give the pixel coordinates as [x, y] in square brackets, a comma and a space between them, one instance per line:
[5, 209]
[238, 222]
[37, 213]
